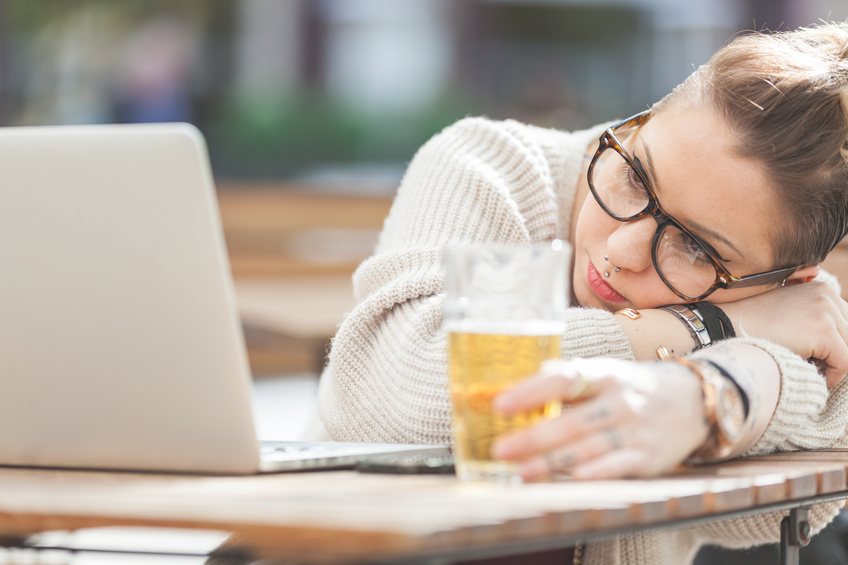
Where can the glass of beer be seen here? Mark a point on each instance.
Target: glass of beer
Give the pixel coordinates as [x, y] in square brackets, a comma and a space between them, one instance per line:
[504, 316]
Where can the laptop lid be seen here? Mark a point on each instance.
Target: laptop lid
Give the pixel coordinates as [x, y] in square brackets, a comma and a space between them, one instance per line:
[120, 341]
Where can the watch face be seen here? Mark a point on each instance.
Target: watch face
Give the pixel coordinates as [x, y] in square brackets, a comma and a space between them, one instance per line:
[730, 412]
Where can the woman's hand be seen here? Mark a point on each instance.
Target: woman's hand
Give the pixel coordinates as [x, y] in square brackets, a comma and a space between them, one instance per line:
[640, 419]
[810, 319]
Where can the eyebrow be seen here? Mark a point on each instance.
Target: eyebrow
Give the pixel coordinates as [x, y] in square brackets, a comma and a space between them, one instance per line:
[696, 225]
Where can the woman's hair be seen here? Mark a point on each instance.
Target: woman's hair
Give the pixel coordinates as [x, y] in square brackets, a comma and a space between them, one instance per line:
[785, 96]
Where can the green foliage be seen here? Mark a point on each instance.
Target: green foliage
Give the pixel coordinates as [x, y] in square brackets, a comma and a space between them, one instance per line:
[277, 136]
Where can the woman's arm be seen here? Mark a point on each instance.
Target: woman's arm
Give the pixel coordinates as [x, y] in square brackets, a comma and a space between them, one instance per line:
[810, 319]
[478, 181]
[654, 329]
[758, 375]
[791, 325]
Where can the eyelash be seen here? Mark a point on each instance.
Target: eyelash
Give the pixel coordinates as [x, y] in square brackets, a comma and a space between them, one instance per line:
[628, 173]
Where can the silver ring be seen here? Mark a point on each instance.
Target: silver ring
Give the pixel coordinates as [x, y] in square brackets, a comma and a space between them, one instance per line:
[614, 437]
[549, 461]
[559, 464]
[579, 388]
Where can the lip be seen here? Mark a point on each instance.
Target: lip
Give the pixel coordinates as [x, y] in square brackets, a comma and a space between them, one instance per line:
[601, 288]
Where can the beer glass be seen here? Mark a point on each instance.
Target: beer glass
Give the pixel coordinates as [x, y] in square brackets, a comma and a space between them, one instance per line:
[503, 313]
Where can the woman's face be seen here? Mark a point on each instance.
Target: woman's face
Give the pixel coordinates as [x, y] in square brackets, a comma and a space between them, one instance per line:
[699, 180]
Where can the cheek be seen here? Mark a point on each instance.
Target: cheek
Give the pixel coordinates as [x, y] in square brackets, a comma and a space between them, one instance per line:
[654, 294]
[593, 227]
[592, 230]
[732, 295]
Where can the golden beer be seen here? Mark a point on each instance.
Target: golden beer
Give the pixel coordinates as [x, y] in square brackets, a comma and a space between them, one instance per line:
[482, 365]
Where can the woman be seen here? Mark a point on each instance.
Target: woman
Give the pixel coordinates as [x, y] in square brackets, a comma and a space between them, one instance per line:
[732, 189]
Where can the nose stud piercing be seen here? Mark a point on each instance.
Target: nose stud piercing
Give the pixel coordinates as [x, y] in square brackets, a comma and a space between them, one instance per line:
[606, 273]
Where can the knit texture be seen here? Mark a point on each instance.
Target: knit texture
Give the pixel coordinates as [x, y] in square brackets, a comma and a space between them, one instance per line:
[484, 181]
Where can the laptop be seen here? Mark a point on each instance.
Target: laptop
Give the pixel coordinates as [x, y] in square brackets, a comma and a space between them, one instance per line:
[120, 340]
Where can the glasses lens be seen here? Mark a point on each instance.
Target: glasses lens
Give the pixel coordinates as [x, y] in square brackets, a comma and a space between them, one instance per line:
[683, 263]
[617, 185]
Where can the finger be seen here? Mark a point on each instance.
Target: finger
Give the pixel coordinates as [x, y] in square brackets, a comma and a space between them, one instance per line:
[583, 420]
[841, 316]
[561, 461]
[834, 358]
[556, 381]
[831, 358]
[833, 376]
[834, 379]
[843, 306]
[616, 464]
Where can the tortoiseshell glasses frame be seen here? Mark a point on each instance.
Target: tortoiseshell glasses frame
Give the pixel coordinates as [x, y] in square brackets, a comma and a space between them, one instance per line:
[724, 279]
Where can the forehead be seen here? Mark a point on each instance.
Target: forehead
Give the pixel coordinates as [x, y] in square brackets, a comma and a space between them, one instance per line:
[701, 178]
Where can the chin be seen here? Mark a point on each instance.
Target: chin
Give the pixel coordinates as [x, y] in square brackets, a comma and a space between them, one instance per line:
[587, 299]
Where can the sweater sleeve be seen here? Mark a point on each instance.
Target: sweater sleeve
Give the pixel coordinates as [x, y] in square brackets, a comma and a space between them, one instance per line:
[807, 416]
[477, 181]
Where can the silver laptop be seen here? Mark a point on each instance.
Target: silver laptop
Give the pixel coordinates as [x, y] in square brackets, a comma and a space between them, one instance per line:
[120, 340]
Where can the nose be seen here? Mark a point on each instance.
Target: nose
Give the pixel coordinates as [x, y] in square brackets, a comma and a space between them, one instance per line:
[629, 246]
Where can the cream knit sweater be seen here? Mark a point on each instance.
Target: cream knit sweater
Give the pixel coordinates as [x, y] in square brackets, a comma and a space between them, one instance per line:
[486, 181]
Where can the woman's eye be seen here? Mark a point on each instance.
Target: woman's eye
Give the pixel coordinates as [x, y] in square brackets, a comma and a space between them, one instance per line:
[635, 181]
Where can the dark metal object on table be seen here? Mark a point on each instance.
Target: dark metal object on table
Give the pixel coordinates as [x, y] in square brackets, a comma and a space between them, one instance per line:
[794, 534]
[12, 540]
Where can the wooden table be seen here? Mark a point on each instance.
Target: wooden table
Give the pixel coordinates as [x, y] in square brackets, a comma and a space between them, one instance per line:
[344, 516]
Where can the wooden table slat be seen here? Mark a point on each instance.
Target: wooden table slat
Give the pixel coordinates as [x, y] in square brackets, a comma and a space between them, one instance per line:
[294, 515]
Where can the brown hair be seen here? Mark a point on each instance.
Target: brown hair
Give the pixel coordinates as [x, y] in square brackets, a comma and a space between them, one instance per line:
[785, 95]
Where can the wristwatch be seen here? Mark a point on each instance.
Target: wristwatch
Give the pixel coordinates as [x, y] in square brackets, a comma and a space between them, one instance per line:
[724, 408]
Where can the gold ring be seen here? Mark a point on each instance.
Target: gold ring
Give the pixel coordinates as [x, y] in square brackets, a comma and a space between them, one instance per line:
[549, 461]
[631, 313]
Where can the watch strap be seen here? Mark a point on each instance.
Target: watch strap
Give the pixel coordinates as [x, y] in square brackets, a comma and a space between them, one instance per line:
[717, 446]
[697, 329]
[746, 402]
[717, 322]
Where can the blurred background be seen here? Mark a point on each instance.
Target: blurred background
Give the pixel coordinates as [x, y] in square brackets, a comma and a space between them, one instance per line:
[342, 92]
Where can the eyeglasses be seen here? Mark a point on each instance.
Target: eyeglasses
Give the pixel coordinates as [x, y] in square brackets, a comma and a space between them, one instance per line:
[687, 264]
